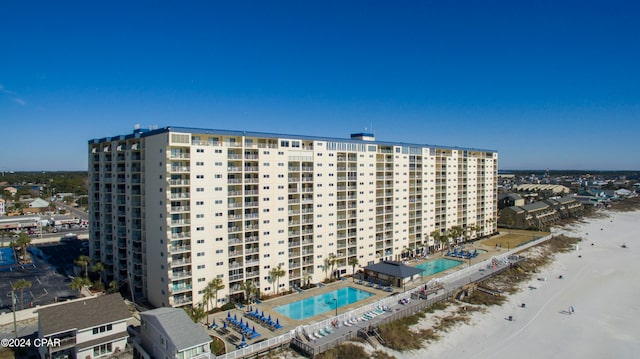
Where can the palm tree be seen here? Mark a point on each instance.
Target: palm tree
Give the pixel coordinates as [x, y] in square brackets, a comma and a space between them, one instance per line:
[83, 261]
[275, 274]
[307, 278]
[195, 313]
[472, 228]
[78, 282]
[216, 285]
[353, 262]
[23, 241]
[207, 297]
[437, 236]
[332, 261]
[455, 232]
[21, 284]
[248, 288]
[13, 249]
[113, 287]
[98, 267]
[325, 267]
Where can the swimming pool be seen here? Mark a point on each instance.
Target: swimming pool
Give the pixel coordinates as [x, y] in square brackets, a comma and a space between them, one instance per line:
[322, 303]
[437, 266]
[6, 257]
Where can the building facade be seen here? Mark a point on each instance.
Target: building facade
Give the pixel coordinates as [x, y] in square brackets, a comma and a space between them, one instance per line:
[170, 333]
[171, 209]
[84, 329]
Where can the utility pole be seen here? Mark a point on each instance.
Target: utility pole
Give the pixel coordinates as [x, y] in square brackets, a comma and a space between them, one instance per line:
[13, 306]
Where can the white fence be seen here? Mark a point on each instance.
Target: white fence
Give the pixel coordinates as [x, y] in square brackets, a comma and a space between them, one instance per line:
[358, 312]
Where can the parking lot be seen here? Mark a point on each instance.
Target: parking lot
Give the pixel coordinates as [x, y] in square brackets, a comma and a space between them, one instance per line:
[49, 273]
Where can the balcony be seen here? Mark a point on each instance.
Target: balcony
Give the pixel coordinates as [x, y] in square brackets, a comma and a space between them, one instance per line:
[180, 195]
[180, 262]
[179, 182]
[180, 274]
[180, 222]
[180, 235]
[179, 249]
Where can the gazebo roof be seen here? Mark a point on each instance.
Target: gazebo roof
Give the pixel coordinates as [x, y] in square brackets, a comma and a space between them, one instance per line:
[393, 269]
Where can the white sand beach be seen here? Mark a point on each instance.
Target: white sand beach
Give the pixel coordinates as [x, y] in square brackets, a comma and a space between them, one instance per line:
[603, 286]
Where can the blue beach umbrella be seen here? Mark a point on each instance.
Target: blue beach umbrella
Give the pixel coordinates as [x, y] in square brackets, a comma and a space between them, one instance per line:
[229, 315]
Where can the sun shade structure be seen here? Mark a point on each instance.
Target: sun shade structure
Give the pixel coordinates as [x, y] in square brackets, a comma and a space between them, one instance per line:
[390, 273]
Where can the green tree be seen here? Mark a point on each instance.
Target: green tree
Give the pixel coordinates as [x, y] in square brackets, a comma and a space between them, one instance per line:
[84, 261]
[207, 297]
[249, 288]
[98, 267]
[23, 241]
[195, 313]
[113, 287]
[332, 261]
[437, 238]
[325, 267]
[470, 230]
[21, 284]
[275, 274]
[78, 282]
[455, 232]
[353, 262]
[216, 285]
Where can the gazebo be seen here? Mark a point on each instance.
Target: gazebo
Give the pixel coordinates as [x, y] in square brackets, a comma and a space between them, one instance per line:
[393, 273]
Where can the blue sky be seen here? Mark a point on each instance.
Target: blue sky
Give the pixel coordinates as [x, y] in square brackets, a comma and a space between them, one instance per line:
[549, 84]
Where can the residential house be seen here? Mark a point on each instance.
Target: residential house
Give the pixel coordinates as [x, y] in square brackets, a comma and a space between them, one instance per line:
[169, 333]
[509, 199]
[86, 329]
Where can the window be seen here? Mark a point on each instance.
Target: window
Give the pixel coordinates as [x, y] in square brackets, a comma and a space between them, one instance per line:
[101, 350]
[102, 329]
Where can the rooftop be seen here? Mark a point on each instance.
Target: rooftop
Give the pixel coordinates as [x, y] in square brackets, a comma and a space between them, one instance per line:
[83, 314]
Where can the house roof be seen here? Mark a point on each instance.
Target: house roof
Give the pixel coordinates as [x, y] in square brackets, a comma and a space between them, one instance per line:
[39, 203]
[393, 269]
[535, 206]
[83, 314]
[175, 325]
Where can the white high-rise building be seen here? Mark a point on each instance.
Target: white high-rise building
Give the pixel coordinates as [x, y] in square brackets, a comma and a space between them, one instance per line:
[173, 208]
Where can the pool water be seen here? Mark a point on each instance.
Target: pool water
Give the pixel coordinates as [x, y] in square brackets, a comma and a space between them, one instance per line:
[6, 257]
[322, 303]
[437, 266]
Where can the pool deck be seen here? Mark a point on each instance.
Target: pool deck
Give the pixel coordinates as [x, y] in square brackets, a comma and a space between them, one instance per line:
[232, 337]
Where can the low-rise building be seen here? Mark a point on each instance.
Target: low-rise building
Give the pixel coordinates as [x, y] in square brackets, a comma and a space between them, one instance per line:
[169, 333]
[84, 329]
[509, 199]
[541, 214]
